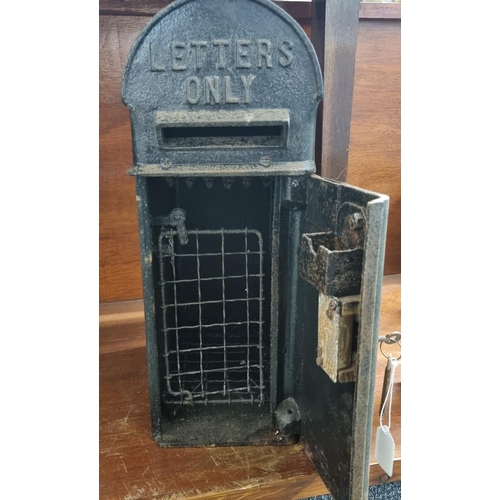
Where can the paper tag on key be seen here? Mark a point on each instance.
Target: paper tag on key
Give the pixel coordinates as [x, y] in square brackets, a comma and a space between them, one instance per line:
[384, 443]
[384, 449]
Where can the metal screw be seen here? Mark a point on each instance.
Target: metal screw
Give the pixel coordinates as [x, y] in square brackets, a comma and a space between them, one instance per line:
[265, 161]
[295, 184]
[384, 478]
[166, 163]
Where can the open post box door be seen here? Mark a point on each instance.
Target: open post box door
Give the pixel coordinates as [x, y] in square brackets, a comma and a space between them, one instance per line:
[336, 305]
[261, 281]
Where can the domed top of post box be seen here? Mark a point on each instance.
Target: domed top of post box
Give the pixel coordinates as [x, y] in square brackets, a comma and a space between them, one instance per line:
[222, 88]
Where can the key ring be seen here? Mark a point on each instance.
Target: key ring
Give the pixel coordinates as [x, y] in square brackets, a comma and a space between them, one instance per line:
[390, 338]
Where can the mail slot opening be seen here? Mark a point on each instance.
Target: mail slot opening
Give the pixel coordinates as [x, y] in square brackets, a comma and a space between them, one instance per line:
[238, 136]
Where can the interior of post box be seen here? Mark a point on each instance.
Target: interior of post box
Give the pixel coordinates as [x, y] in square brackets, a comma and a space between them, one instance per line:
[213, 309]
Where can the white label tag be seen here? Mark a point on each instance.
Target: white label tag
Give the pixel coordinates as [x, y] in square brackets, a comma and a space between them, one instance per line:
[384, 449]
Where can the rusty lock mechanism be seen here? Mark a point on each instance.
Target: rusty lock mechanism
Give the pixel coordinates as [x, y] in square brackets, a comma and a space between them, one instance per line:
[333, 265]
[337, 318]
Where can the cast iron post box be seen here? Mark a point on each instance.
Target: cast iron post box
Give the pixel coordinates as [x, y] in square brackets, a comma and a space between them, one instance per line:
[262, 281]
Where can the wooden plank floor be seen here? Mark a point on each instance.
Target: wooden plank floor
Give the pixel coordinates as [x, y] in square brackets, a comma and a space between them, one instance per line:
[133, 467]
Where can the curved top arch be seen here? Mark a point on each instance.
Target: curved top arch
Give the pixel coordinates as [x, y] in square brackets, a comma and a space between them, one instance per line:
[223, 64]
[279, 12]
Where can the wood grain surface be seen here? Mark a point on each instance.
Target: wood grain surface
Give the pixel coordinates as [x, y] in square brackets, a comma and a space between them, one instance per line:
[375, 148]
[298, 10]
[132, 466]
[341, 29]
[379, 10]
[120, 274]
[374, 158]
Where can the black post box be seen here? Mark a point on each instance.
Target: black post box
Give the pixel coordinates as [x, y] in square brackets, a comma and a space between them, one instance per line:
[261, 280]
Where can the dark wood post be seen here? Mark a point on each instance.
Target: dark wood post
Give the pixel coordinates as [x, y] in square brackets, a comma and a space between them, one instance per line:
[334, 35]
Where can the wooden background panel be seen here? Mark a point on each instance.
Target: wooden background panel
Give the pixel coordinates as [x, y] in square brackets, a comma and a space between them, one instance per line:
[120, 275]
[379, 10]
[375, 145]
[298, 10]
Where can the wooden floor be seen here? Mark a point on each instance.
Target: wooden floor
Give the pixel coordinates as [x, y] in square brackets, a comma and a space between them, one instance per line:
[132, 466]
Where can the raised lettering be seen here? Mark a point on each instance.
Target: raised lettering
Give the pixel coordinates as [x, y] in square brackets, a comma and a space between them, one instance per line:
[193, 90]
[198, 56]
[178, 57]
[221, 44]
[285, 47]
[212, 90]
[247, 81]
[242, 54]
[153, 65]
[264, 52]
[230, 99]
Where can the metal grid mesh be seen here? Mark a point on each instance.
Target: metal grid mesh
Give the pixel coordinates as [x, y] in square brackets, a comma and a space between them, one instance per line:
[212, 314]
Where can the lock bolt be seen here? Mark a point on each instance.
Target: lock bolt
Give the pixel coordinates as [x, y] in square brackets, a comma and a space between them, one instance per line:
[331, 309]
[356, 221]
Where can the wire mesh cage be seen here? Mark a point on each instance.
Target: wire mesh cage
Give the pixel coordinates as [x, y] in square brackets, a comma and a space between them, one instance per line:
[212, 316]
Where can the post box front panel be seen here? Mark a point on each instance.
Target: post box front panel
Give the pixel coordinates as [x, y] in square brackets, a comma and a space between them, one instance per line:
[222, 88]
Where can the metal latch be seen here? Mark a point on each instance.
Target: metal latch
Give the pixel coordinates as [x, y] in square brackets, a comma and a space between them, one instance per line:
[176, 218]
[333, 264]
[337, 325]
